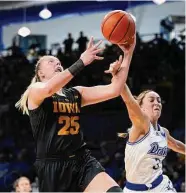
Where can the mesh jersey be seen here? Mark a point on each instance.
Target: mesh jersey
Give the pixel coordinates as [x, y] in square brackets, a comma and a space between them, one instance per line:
[56, 124]
[143, 158]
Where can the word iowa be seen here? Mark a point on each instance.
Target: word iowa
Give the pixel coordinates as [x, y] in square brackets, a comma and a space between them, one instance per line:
[60, 107]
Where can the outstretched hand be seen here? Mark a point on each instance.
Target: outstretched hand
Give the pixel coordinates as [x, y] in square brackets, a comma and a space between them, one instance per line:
[115, 66]
[90, 53]
[129, 46]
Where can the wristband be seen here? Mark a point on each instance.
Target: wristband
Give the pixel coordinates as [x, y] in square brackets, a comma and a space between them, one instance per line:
[76, 67]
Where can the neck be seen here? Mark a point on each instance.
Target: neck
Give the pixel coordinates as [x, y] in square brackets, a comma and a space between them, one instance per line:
[155, 124]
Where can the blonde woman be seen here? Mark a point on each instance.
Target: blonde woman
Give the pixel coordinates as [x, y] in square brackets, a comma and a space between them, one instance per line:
[63, 163]
[22, 185]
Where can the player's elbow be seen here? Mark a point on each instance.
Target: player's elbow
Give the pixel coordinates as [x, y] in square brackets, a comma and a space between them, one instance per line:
[41, 90]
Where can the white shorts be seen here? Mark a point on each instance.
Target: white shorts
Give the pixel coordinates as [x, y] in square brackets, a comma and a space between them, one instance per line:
[165, 186]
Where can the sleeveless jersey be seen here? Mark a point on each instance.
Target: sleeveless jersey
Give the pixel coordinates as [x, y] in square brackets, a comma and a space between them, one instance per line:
[143, 158]
[56, 124]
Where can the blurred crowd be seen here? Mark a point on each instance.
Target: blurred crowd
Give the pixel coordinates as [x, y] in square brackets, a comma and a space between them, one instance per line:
[157, 64]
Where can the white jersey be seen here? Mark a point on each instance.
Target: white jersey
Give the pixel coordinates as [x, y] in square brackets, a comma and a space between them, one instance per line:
[143, 158]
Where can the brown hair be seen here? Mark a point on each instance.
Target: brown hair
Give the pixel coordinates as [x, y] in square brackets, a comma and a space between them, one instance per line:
[141, 96]
[139, 99]
[22, 103]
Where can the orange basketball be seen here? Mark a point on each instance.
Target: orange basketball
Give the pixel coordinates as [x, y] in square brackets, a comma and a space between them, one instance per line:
[118, 27]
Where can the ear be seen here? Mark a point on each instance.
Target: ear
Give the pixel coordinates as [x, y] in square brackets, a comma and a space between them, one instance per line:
[41, 74]
[142, 108]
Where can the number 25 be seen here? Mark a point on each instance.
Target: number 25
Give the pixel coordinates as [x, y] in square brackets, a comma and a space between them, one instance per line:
[71, 125]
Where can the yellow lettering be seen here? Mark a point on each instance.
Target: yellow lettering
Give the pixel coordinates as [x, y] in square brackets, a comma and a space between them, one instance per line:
[72, 107]
[65, 107]
[68, 107]
[55, 110]
[62, 107]
[77, 109]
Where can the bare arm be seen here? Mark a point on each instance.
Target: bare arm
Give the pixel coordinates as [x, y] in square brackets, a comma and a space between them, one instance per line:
[92, 95]
[139, 120]
[41, 90]
[174, 144]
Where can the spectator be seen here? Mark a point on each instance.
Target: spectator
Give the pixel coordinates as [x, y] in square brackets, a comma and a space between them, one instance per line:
[68, 44]
[82, 42]
[22, 185]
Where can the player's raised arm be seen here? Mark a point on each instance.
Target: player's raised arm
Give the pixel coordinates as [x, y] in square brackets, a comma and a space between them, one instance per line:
[137, 117]
[50, 77]
[53, 84]
[92, 95]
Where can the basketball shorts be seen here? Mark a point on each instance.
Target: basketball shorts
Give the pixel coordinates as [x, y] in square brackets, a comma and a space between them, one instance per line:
[72, 174]
[165, 186]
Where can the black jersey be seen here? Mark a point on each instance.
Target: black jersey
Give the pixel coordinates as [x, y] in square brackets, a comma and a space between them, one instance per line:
[56, 124]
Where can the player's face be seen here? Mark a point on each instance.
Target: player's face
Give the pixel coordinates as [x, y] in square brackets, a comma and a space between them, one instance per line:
[152, 106]
[49, 67]
[24, 185]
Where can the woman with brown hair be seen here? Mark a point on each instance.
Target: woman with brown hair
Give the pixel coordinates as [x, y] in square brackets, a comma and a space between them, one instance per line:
[147, 145]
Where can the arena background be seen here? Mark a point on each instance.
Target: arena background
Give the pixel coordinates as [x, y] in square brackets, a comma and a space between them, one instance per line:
[158, 63]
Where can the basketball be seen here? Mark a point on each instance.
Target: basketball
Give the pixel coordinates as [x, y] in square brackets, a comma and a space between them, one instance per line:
[118, 27]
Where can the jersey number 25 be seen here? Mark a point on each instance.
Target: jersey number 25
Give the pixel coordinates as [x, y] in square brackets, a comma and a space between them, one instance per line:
[71, 125]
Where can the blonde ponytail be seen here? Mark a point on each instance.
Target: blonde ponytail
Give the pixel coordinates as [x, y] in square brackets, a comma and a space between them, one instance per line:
[22, 103]
[122, 135]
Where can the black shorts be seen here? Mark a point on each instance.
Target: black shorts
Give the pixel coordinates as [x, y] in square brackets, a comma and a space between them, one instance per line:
[67, 175]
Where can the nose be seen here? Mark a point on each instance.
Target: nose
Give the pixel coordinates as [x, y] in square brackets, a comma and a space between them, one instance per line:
[157, 104]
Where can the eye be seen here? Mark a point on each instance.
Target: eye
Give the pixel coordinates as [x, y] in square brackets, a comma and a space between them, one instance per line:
[159, 100]
[151, 100]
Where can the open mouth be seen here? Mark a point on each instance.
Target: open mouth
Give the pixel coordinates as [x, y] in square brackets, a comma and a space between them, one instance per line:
[58, 69]
[157, 109]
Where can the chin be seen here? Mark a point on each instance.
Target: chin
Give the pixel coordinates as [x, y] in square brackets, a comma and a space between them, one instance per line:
[157, 116]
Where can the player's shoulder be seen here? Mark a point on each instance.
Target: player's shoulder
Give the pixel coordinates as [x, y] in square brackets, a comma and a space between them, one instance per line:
[78, 89]
[73, 91]
[165, 129]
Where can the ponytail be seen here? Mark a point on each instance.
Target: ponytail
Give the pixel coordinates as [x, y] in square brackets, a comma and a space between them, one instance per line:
[122, 135]
[22, 103]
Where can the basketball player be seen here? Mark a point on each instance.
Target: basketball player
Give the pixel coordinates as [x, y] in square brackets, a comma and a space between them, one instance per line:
[63, 163]
[147, 144]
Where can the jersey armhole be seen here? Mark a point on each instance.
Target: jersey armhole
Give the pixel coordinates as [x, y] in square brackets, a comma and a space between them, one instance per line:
[141, 139]
[163, 131]
[77, 91]
[35, 109]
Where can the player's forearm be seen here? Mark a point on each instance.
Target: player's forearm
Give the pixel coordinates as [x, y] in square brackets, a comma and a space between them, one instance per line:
[127, 59]
[180, 147]
[126, 94]
[120, 78]
[62, 78]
